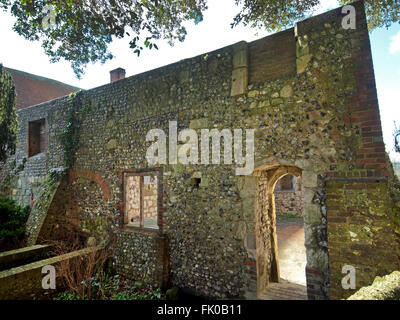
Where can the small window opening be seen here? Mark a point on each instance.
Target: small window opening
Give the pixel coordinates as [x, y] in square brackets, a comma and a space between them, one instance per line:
[196, 182]
[36, 137]
[141, 200]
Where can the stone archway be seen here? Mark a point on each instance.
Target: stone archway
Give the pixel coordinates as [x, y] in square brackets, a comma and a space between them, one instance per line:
[91, 176]
[267, 263]
[80, 208]
[266, 237]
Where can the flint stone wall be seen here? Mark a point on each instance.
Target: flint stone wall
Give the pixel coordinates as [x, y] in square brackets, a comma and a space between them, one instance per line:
[309, 93]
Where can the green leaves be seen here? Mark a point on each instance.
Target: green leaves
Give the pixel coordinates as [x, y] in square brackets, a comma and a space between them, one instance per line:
[69, 135]
[8, 116]
[109, 287]
[85, 28]
[273, 15]
[380, 13]
[12, 223]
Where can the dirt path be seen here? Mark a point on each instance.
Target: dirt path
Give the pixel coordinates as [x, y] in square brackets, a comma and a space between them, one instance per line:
[291, 250]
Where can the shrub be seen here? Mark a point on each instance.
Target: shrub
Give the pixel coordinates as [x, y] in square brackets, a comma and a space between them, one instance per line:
[8, 115]
[12, 224]
[109, 287]
[77, 274]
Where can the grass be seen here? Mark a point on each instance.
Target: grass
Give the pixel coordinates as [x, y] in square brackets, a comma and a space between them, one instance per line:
[289, 215]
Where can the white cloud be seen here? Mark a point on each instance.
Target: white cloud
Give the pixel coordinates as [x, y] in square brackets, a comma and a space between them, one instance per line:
[395, 44]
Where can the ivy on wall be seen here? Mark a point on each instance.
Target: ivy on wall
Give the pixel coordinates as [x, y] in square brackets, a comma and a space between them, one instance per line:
[69, 135]
[8, 116]
[10, 172]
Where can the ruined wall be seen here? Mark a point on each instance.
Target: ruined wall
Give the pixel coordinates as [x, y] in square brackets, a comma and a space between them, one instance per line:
[289, 203]
[289, 198]
[36, 167]
[46, 198]
[308, 92]
[383, 288]
[264, 231]
[25, 281]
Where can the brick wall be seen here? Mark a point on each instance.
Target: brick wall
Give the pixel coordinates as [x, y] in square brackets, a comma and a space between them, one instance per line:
[360, 232]
[272, 57]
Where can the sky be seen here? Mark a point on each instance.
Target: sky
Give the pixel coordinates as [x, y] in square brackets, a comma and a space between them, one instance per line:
[212, 33]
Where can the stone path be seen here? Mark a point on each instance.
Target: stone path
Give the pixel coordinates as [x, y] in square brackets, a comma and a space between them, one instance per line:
[284, 291]
[292, 262]
[291, 249]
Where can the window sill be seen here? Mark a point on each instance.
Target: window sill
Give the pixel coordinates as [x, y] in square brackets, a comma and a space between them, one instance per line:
[130, 228]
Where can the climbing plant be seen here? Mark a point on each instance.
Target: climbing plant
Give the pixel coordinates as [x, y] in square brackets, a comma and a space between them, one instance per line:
[8, 116]
[69, 135]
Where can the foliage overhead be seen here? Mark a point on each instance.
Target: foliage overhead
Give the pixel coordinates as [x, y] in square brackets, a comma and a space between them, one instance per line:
[83, 29]
[275, 15]
[380, 13]
[8, 116]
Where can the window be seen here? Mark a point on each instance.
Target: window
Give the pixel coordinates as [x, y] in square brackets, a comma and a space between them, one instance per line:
[36, 137]
[196, 182]
[141, 199]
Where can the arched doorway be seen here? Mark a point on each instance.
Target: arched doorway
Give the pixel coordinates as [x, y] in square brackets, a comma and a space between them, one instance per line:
[289, 212]
[268, 262]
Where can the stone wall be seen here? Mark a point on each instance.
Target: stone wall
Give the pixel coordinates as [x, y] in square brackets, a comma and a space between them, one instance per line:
[289, 199]
[42, 205]
[35, 168]
[289, 203]
[140, 257]
[18, 257]
[360, 235]
[383, 288]
[309, 94]
[25, 282]
[264, 229]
